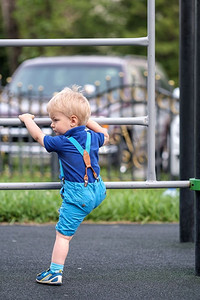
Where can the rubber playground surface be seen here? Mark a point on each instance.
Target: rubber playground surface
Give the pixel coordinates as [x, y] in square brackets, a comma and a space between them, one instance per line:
[105, 262]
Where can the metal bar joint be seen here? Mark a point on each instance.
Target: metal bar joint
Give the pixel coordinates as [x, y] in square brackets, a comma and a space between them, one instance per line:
[195, 184]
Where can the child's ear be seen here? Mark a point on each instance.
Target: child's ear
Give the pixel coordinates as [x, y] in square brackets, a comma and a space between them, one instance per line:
[74, 121]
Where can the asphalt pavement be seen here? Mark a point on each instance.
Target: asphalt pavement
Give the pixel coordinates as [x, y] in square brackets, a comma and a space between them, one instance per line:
[105, 262]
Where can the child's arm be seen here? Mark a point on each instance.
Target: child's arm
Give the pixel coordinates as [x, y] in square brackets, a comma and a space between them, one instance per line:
[97, 128]
[32, 127]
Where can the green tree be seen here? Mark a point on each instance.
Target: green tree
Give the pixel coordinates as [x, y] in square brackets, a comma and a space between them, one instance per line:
[67, 19]
[167, 36]
[4, 70]
[9, 29]
[95, 19]
[166, 27]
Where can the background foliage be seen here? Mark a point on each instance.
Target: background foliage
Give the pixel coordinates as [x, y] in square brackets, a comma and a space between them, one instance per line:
[88, 19]
[141, 206]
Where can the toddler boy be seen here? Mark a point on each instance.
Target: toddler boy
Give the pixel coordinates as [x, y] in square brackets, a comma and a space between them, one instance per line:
[77, 149]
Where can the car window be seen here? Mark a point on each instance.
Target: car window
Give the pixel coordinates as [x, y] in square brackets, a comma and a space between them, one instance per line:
[53, 77]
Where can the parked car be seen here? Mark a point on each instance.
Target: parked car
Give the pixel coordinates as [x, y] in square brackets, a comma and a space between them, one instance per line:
[47, 75]
[107, 82]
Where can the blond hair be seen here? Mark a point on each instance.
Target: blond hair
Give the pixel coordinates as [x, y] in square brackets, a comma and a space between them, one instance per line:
[70, 101]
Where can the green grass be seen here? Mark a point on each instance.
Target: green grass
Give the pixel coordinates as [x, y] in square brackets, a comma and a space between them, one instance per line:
[138, 206]
[120, 205]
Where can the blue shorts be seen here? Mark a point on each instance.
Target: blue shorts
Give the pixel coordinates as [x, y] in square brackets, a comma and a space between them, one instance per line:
[78, 202]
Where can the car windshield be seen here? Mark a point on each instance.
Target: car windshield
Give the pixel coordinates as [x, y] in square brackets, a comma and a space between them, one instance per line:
[53, 78]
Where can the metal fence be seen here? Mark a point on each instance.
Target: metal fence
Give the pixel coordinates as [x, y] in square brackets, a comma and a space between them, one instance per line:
[125, 158]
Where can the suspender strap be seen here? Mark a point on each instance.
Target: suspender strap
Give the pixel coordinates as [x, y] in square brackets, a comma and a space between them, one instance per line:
[85, 154]
[86, 157]
[87, 162]
[78, 146]
[61, 171]
[88, 142]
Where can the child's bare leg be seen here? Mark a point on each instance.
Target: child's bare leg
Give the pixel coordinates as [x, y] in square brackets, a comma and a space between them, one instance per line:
[54, 274]
[61, 248]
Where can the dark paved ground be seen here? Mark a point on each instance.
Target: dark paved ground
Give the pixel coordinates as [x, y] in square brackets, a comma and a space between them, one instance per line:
[105, 262]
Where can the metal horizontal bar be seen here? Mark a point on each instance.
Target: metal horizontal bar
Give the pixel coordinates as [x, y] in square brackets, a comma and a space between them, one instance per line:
[30, 186]
[114, 121]
[148, 184]
[143, 41]
[123, 121]
[109, 185]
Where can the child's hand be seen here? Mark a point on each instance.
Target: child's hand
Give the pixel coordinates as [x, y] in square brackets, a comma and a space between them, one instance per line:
[25, 117]
[106, 136]
[32, 127]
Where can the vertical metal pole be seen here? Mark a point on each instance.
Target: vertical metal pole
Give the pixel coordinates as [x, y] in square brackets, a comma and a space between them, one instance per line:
[197, 135]
[186, 117]
[151, 174]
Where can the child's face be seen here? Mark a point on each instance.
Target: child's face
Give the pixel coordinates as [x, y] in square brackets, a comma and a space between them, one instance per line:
[60, 123]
